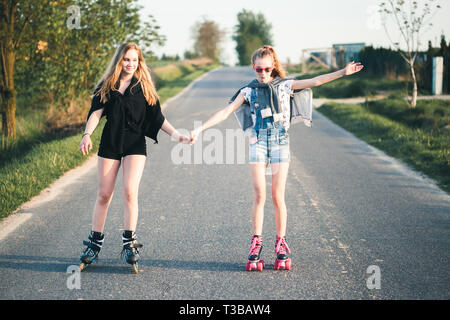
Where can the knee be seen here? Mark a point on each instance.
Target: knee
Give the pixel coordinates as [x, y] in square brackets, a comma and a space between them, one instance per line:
[104, 196]
[130, 195]
[278, 199]
[260, 197]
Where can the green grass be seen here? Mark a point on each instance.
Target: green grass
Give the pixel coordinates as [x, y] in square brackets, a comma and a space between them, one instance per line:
[389, 126]
[30, 128]
[24, 176]
[428, 115]
[37, 158]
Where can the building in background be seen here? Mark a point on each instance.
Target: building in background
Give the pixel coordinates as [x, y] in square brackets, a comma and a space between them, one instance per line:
[346, 52]
[336, 56]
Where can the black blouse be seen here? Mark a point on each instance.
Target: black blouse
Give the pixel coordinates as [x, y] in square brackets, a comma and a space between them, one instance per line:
[128, 111]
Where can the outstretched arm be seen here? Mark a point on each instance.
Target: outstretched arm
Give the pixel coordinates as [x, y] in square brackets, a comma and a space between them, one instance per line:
[351, 68]
[218, 117]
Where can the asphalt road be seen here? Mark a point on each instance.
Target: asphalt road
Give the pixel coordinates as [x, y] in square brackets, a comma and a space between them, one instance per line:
[350, 207]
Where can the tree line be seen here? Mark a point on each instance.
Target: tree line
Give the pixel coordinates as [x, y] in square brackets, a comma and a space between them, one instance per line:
[385, 62]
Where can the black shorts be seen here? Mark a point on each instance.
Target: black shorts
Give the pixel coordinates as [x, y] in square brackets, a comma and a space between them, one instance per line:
[133, 143]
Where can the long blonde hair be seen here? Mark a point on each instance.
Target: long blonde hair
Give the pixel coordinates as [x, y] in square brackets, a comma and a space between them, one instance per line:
[112, 74]
[278, 70]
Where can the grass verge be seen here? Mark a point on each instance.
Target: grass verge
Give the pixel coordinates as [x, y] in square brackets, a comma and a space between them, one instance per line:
[25, 176]
[425, 148]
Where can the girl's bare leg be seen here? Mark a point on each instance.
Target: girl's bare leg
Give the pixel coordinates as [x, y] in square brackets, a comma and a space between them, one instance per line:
[279, 178]
[107, 173]
[258, 172]
[133, 167]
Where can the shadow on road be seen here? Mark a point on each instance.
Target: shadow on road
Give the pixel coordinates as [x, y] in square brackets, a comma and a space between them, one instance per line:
[111, 266]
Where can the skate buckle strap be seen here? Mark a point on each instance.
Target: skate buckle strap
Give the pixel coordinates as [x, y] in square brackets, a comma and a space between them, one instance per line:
[135, 245]
[281, 246]
[92, 245]
[131, 242]
[126, 250]
[131, 246]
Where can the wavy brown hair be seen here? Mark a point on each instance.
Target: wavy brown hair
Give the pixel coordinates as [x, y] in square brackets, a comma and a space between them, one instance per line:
[278, 70]
[112, 75]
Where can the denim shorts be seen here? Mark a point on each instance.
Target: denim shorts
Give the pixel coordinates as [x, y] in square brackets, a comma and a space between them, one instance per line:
[271, 146]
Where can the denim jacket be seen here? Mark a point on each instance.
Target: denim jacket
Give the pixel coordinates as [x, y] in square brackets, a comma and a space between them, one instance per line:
[300, 105]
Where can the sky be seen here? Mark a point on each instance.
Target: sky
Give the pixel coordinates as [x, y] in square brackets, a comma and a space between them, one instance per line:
[296, 24]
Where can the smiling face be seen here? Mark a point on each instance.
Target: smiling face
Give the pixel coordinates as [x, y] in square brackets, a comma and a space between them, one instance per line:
[263, 68]
[130, 62]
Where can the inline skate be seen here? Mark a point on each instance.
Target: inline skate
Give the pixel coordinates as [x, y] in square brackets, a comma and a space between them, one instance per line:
[94, 245]
[130, 249]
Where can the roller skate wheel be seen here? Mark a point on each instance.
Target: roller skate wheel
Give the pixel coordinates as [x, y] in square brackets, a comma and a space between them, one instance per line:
[135, 268]
[276, 265]
[288, 264]
[260, 266]
[82, 266]
[282, 264]
[253, 266]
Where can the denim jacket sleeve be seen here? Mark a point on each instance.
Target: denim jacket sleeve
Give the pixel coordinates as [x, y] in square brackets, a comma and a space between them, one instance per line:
[243, 114]
[301, 107]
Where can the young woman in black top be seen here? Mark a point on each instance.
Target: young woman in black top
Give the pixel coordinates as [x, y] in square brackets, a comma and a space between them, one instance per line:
[128, 98]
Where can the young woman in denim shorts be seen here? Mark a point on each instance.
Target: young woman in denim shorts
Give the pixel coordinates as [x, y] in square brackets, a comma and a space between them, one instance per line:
[269, 144]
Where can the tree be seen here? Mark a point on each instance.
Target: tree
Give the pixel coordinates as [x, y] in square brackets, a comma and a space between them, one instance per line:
[190, 54]
[251, 33]
[58, 49]
[207, 36]
[14, 19]
[412, 23]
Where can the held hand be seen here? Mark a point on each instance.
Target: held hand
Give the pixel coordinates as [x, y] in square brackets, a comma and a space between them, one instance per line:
[194, 134]
[184, 139]
[86, 144]
[177, 136]
[352, 68]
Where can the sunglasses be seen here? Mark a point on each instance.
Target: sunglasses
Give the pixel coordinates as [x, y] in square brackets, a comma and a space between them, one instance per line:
[260, 70]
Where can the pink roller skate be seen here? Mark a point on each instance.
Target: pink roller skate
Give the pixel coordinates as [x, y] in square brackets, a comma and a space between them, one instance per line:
[254, 262]
[281, 250]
